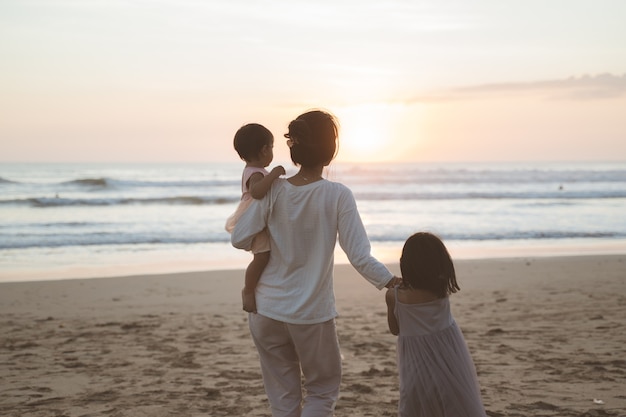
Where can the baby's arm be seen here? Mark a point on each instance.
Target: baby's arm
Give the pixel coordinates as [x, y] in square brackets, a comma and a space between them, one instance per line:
[390, 299]
[259, 185]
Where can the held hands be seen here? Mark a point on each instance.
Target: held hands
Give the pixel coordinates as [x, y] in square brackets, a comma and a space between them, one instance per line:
[393, 282]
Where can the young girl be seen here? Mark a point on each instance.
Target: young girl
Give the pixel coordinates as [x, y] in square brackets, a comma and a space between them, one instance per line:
[437, 375]
[254, 143]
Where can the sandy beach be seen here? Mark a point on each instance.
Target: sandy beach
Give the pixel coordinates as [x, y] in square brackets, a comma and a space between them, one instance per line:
[548, 337]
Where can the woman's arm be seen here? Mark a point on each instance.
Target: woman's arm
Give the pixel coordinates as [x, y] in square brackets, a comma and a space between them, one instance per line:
[355, 243]
[392, 321]
[259, 185]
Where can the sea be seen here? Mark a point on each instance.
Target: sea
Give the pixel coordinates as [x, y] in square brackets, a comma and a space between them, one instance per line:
[61, 221]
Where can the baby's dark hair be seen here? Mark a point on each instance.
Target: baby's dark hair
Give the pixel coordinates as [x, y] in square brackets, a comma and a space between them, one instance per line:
[313, 138]
[426, 264]
[250, 140]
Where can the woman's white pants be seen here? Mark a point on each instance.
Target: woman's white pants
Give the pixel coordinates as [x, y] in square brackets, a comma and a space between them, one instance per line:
[301, 366]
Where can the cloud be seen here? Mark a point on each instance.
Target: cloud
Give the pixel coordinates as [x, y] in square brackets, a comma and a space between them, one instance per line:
[586, 87]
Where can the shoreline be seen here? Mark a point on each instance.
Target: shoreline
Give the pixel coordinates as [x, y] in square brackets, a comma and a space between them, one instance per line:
[547, 335]
[216, 257]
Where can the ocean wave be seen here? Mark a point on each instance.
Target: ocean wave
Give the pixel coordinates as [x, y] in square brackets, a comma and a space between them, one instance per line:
[106, 239]
[119, 183]
[401, 235]
[88, 182]
[495, 195]
[18, 226]
[178, 183]
[103, 183]
[532, 198]
[376, 176]
[421, 175]
[5, 181]
[27, 241]
[45, 202]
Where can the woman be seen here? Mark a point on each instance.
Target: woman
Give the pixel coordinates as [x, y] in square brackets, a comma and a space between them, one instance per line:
[294, 328]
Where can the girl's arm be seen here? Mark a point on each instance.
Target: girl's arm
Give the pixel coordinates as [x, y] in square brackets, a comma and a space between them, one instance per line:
[392, 321]
[259, 185]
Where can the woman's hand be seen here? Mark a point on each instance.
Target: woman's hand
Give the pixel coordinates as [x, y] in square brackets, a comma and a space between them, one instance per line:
[393, 282]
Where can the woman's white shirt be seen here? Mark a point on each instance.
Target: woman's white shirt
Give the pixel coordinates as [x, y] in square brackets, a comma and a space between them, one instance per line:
[304, 223]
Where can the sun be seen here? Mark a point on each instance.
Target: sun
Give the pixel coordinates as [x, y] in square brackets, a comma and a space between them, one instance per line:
[363, 134]
[367, 132]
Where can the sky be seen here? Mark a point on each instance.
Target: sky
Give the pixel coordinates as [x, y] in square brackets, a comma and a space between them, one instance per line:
[430, 80]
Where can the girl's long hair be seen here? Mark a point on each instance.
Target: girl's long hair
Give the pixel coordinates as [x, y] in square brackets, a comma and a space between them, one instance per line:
[426, 264]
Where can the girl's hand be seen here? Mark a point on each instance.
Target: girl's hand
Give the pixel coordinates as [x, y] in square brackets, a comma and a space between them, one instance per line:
[393, 282]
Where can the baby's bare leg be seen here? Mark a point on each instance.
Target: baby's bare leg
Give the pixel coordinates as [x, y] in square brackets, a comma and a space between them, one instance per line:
[253, 273]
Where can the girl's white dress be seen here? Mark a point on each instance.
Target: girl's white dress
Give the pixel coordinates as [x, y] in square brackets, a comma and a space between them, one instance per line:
[437, 374]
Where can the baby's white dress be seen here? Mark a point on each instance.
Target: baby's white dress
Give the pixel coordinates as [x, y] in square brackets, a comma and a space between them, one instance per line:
[261, 242]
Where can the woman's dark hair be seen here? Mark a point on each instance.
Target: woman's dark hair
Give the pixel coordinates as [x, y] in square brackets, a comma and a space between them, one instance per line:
[426, 264]
[250, 140]
[313, 138]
